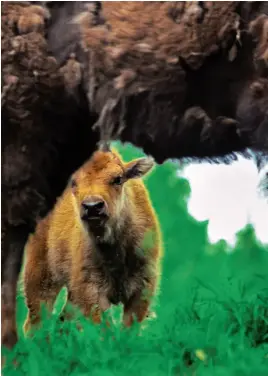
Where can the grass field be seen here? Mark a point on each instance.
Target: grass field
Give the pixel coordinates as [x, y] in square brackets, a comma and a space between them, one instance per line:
[211, 313]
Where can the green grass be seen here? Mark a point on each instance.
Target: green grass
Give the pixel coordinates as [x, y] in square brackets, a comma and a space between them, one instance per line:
[212, 310]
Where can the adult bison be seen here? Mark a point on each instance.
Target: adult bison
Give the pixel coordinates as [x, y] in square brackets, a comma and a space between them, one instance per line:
[179, 79]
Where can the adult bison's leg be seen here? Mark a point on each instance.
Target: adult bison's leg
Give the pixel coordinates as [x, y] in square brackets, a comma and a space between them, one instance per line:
[13, 242]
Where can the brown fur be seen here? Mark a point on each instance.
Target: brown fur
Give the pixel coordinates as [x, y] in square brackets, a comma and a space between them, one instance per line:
[109, 263]
[153, 63]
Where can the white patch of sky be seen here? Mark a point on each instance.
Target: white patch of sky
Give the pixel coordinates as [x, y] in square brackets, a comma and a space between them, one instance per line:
[229, 197]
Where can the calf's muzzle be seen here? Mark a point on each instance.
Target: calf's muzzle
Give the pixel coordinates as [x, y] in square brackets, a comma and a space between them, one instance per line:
[94, 208]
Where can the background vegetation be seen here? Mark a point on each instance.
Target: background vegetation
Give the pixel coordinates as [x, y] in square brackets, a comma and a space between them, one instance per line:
[212, 311]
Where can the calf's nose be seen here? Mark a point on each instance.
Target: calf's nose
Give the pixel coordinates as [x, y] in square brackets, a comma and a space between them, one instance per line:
[93, 207]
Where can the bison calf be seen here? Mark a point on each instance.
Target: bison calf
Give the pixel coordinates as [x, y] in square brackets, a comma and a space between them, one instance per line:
[102, 241]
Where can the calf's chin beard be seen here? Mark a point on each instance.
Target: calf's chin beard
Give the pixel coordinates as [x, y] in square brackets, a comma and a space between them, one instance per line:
[97, 228]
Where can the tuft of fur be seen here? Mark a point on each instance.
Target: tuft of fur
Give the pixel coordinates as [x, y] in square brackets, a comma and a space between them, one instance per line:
[259, 30]
[100, 265]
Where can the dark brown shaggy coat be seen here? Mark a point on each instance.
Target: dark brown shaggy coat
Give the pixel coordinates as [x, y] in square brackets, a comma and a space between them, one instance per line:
[180, 79]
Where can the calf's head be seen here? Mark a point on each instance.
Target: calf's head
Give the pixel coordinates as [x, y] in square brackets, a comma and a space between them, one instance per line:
[99, 186]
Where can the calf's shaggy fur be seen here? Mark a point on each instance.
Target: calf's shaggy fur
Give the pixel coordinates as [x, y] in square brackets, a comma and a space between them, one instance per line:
[102, 260]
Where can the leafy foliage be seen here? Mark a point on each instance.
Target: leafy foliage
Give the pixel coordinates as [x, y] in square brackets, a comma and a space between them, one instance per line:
[211, 312]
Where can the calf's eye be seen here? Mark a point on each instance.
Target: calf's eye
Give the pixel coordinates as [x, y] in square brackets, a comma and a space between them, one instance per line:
[118, 180]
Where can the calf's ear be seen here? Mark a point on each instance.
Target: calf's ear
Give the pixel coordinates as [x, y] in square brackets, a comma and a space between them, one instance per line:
[138, 167]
